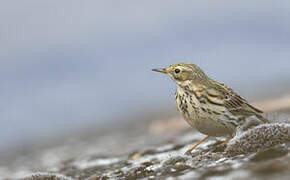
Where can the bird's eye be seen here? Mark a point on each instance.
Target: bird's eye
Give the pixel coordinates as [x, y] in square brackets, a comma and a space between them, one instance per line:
[177, 71]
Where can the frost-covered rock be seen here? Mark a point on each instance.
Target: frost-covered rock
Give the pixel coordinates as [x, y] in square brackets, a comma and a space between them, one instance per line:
[45, 176]
[260, 137]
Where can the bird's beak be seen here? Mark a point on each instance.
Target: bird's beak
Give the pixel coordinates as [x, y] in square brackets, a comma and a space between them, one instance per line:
[161, 70]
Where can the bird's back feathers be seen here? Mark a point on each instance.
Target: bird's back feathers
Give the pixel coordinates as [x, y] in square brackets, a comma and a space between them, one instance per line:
[219, 94]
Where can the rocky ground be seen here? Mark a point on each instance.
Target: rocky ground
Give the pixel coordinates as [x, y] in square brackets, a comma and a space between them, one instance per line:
[154, 149]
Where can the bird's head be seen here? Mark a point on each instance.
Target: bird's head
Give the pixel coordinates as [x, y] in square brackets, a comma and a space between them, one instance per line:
[182, 72]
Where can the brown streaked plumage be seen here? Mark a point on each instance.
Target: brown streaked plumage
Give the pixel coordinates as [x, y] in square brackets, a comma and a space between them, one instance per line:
[211, 107]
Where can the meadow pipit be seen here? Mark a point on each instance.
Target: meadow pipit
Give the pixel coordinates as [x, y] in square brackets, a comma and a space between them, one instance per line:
[209, 106]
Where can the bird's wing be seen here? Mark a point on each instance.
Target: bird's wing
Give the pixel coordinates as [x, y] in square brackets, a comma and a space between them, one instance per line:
[223, 95]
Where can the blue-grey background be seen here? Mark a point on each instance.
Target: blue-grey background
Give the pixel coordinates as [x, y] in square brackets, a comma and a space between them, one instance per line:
[67, 64]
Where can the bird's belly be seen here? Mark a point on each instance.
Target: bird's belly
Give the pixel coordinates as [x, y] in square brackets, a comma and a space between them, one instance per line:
[212, 127]
[206, 123]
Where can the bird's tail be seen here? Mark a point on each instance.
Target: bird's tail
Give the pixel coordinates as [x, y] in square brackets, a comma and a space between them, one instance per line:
[258, 113]
[259, 116]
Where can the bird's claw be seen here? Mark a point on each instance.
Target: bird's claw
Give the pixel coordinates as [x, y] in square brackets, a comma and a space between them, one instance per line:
[188, 152]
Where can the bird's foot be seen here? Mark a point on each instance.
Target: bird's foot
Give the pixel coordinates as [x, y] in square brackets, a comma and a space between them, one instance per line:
[188, 152]
[223, 144]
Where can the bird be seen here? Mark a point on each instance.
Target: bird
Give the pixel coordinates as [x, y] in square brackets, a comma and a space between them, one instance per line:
[210, 106]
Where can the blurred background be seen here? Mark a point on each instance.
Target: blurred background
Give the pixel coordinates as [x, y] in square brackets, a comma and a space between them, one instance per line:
[66, 65]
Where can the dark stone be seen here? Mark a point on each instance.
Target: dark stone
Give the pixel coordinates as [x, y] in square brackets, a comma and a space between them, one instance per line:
[269, 154]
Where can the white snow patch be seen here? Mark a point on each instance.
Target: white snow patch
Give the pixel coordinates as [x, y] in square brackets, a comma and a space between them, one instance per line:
[84, 164]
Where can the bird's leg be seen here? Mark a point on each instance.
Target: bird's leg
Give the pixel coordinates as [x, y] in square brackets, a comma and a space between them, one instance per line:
[226, 141]
[197, 144]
